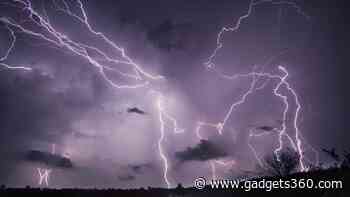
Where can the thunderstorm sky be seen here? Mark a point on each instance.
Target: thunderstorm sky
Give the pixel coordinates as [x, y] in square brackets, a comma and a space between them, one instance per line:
[111, 136]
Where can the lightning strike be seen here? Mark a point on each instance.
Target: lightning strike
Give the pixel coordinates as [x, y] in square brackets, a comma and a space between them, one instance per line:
[253, 134]
[219, 44]
[213, 163]
[44, 175]
[297, 144]
[163, 116]
[53, 149]
[160, 147]
[60, 40]
[221, 163]
[12, 45]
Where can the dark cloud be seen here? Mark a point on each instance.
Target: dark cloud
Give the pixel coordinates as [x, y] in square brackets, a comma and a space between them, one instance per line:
[64, 94]
[203, 151]
[161, 35]
[265, 128]
[169, 35]
[136, 110]
[48, 159]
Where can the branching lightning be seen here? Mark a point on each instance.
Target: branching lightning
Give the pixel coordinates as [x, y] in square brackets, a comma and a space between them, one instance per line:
[297, 144]
[61, 40]
[219, 44]
[44, 176]
[58, 39]
[165, 118]
[12, 45]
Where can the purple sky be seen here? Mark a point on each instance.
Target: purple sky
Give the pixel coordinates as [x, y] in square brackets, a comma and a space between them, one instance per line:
[66, 101]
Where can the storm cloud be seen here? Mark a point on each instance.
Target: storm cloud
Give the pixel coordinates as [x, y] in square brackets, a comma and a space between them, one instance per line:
[64, 100]
[49, 159]
[203, 151]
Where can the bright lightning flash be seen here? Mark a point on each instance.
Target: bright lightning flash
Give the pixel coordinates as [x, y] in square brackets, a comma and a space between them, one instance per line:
[297, 144]
[44, 175]
[58, 39]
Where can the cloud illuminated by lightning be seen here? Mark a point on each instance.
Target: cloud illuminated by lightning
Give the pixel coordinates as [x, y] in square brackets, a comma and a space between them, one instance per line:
[297, 144]
[282, 83]
[60, 40]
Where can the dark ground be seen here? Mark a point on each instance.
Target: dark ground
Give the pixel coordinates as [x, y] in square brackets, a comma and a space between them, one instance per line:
[331, 174]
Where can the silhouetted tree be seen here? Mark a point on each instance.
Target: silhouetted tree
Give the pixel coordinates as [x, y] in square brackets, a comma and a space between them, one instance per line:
[334, 155]
[340, 161]
[346, 161]
[180, 190]
[315, 167]
[283, 164]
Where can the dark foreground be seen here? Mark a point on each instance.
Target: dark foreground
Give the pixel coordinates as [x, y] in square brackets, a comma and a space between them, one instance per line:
[328, 175]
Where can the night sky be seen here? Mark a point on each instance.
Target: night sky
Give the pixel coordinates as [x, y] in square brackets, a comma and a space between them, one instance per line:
[66, 110]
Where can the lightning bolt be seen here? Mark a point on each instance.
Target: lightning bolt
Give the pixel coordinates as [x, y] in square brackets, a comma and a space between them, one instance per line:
[160, 141]
[61, 40]
[251, 135]
[219, 44]
[8, 51]
[44, 175]
[221, 163]
[53, 149]
[276, 91]
[52, 36]
[165, 118]
[297, 144]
